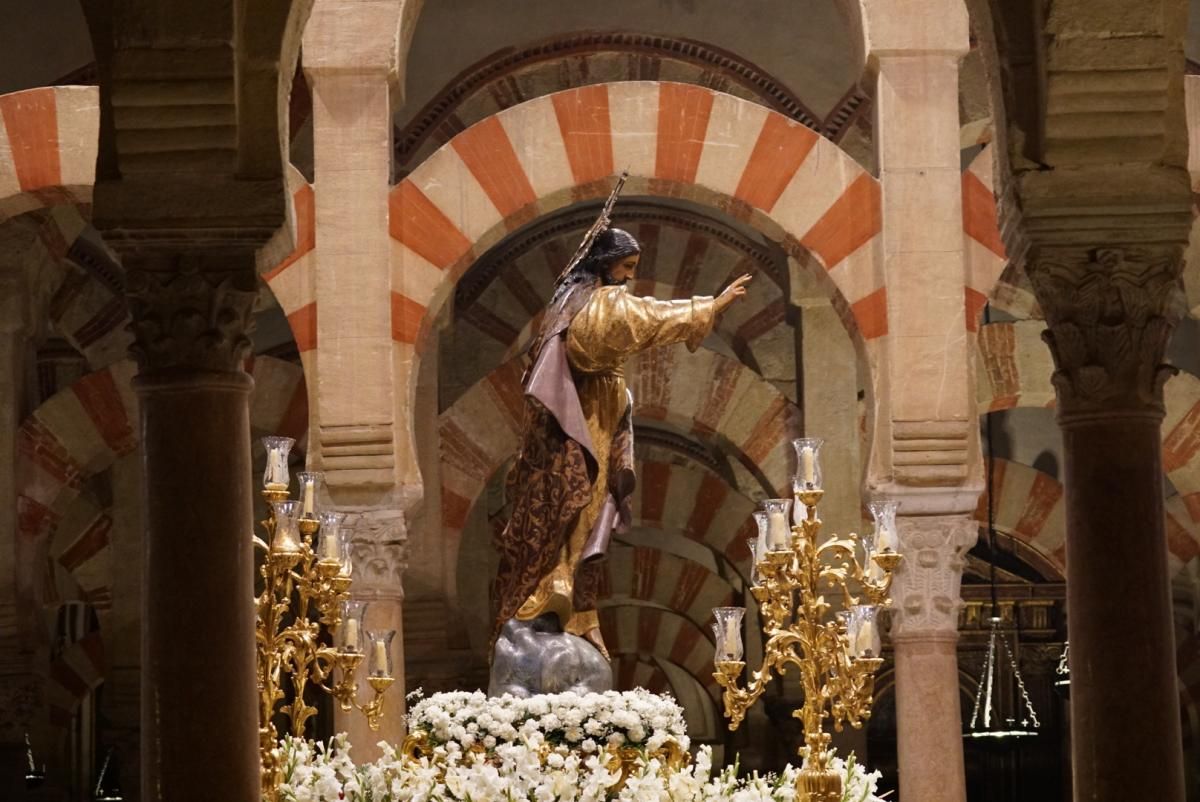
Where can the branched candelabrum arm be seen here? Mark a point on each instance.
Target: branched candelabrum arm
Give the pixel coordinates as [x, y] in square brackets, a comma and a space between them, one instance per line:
[778, 651]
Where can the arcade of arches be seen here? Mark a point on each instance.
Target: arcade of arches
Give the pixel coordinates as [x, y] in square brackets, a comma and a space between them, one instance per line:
[337, 220]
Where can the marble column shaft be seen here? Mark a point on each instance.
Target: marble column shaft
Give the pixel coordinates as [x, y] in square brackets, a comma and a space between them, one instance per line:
[925, 593]
[199, 729]
[1109, 313]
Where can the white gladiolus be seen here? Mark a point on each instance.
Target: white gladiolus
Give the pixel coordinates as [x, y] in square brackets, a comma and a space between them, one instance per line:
[542, 749]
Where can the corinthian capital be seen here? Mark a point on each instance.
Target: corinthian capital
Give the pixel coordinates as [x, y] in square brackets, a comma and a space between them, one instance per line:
[1109, 312]
[379, 546]
[187, 316]
[925, 590]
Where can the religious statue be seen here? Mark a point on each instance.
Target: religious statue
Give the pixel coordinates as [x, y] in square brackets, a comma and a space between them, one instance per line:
[573, 478]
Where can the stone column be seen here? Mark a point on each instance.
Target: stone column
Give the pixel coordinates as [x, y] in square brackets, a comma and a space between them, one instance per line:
[380, 547]
[199, 730]
[1110, 312]
[925, 593]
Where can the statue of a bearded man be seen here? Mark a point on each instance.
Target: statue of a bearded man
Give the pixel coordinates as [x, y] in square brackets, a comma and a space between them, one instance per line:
[572, 482]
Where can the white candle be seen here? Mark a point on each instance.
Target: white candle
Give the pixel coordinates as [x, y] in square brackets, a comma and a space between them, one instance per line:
[865, 645]
[809, 468]
[777, 531]
[381, 666]
[309, 493]
[351, 641]
[330, 550]
[799, 512]
[733, 637]
[277, 473]
[886, 539]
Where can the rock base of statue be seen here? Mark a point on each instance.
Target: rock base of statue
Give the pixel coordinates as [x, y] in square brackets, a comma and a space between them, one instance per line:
[537, 656]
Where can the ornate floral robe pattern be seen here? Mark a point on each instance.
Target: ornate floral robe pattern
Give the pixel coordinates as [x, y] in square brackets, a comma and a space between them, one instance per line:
[572, 481]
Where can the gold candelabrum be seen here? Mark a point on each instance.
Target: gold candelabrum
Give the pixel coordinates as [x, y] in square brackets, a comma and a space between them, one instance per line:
[306, 584]
[837, 652]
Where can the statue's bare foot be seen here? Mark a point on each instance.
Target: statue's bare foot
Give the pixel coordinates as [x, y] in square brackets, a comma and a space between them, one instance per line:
[594, 637]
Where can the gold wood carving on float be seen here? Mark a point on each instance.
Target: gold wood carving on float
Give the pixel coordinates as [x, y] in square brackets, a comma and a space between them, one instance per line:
[306, 584]
[837, 655]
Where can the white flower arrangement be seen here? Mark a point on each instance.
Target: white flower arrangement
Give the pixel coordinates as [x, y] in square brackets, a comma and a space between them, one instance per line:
[583, 722]
[522, 771]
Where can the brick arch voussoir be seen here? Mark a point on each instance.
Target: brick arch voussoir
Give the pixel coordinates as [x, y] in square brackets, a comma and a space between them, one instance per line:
[630, 627]
[289, 267]
[48, 144]
[684, 141]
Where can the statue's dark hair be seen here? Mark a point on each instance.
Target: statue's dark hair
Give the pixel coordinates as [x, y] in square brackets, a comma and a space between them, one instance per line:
[610, 246]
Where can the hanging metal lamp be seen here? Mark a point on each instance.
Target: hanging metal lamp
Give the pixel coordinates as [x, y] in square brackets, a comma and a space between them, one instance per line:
[997, 713]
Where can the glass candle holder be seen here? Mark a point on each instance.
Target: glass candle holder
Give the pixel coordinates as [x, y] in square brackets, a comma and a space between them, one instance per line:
[287, 531]
[760, 520]
[866, 641]
[752, 544]
[332, 537]
[808, 462]
[310, 485]
[799, 508]
[379, 659]
[275, 476]
[886, 538]
[350, 631]
[728, 632]
[779, 527]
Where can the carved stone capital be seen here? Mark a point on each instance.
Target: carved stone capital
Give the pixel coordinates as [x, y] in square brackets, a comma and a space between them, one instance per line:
[188, 317]
[925, 591]
[1109, 312]
[379, 549]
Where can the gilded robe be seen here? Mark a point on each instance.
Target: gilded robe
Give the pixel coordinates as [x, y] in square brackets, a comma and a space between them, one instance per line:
[573, 479]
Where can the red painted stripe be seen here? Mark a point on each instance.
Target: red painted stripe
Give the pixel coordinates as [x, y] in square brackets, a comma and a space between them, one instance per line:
[31, 119]
[407, 315]
[416, 221]
[975, 302]
[709, 498]
[656, 479]
[684, 645]
[455, 509]
[1043, 497]
[781, 148]
[505, 382]
[848, 224]
[89, 544]
[980, 221]
[1183, 441]
[304, 203]
[683, 112]
[586, 129]
[100, 399]
[488, 153]
[770, 429]
[871, 314]
[304, 327]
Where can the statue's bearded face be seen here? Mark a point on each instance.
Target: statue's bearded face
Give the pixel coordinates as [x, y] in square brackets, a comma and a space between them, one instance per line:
[622, 270]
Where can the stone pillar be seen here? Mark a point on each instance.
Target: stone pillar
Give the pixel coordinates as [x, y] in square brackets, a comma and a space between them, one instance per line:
[925, 593]
[1110, 312]
[380, 547]
[349, 59]
[199, 730]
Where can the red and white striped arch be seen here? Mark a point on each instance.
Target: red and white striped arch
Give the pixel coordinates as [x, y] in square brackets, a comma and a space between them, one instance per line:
[48, 143]
[983, 251]
[672, 637]
[62, 548]
[291, 274]
[1015, 366]
[676, 140]
[1028, 504]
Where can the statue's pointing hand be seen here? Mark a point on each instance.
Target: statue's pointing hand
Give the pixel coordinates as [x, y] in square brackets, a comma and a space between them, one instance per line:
[735, 290]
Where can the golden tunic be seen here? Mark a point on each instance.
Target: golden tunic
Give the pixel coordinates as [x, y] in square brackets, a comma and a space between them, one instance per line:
[611, 327]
